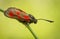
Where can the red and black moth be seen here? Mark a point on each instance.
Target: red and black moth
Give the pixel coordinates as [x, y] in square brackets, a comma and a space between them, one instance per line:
[22, 17]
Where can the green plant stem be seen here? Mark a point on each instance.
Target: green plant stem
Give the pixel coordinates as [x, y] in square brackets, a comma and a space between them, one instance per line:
[1, 10]
[31, 31]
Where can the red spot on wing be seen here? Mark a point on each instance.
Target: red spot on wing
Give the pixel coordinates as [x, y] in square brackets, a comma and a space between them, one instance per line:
[18, 12]
[27, 18]
[11, 14]
[19, 17]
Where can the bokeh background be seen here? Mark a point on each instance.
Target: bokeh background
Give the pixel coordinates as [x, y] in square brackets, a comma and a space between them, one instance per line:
[48, 9]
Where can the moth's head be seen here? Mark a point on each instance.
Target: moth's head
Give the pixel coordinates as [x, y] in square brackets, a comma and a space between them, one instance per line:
[35, 21]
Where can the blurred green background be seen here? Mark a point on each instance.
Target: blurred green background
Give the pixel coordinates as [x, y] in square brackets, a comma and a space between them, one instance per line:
[48, 9]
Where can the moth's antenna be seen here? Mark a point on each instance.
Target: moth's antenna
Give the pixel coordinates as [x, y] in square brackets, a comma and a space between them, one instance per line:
[46, 20]
[1, 10]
